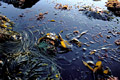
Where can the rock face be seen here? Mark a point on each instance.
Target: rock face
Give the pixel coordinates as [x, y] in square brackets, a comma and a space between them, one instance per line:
[5, 22]
[103, 16]
[6, 33]
[21, 3]
[114, 5]
[97, 13]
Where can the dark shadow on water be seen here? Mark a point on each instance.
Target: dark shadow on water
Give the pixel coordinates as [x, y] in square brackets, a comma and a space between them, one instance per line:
[22, 4]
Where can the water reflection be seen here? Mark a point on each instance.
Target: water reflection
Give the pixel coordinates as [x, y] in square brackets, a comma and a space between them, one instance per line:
[21, 3]
[68, 21]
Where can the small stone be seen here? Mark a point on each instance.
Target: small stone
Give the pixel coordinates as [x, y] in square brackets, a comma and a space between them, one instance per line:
[78, 57]
[76, 53]
[117, 42]
[84, 49]
[108, 36]
[20, 15]
[78, 70]
[1, 62]
[46, 12]
[40, 16]
[118, 33]
[106, 55]
[75, 32]
[73, 59]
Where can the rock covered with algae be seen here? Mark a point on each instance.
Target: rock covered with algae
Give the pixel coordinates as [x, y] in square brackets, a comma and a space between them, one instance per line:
[5, 22]
[22, 4]
[23, 64]
[114, 6]
[6, 32]
[51, 44]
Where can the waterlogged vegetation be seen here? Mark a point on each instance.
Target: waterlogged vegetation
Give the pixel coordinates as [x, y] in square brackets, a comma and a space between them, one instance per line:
[59, 40]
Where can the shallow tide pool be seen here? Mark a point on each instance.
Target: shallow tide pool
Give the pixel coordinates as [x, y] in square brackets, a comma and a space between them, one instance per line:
[70, 64]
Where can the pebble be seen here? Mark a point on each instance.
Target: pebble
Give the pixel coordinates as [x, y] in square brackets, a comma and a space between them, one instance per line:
[84, 49]
[73, 59]
[108, 36]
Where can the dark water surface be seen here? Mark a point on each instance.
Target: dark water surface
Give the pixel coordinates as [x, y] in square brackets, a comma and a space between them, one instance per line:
[71, 64]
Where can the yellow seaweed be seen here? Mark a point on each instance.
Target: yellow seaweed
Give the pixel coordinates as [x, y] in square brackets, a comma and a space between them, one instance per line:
[98, 66]
[52, 20]
[92, 52]
[105, 71]
[86, 64]
[63, 44]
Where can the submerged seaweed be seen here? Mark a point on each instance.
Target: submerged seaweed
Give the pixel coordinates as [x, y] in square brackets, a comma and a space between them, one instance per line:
[26, 65]
[21, 60]
[29, 66]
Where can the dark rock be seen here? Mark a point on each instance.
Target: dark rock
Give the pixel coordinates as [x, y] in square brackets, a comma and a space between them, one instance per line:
[117, 42]
[21, 3]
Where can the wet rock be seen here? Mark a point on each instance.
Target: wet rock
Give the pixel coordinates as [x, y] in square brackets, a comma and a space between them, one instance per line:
[84, 49]
[104, 16]
[46, 12]
[97, 13]
[100, 34]
[53, 44]
[108, 36]
[112, 32]
[1, 63]
[92, 42]
[5, 22]
[74, 59]
[21, 63]
[40, 16]
[114, 6]
[105, 55]
[4, 7]
[6, 34]
[0, 4]
[118, 33]
[21, 3]
[65, 7]
[69, 35]
[78, 57]
[90, 62]
[117, 42]
[21, 15]
[62, 7]
[81, 34]
[75, 32]
[93, 52]
[76, 41]
[82, 9]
